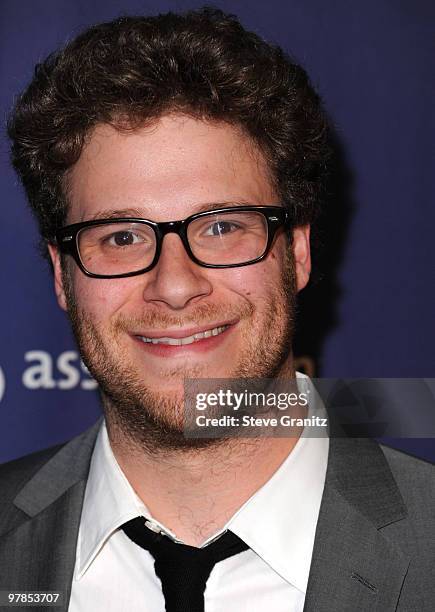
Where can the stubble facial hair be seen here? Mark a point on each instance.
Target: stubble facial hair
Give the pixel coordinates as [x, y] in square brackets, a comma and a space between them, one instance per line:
[152, 422]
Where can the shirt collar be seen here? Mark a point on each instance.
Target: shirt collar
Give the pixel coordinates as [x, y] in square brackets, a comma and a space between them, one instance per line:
[109, 502]
[278, 522]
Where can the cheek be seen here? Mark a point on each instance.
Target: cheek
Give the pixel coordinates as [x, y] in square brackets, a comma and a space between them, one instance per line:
[101, 298]
[256, 283]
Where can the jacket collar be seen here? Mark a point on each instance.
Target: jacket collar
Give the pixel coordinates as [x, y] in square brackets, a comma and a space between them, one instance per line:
[38, 554]
[65, 469]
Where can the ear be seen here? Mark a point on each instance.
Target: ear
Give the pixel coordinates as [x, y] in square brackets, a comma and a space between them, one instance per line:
[58, 280]
[302, 255]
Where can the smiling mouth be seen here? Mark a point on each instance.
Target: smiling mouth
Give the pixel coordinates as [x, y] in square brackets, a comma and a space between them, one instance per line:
[216, 331]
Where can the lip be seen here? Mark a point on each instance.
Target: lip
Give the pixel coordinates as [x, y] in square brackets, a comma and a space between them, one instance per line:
[182, 333]
[199, 347]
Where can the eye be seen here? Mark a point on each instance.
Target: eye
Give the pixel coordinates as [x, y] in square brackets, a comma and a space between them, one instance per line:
[220, 228]
[124, 238]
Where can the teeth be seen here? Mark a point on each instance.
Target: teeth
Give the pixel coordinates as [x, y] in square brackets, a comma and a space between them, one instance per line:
[188, 340]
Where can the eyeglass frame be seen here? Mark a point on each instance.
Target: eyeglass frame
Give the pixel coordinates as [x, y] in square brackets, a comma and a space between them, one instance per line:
[67, 236]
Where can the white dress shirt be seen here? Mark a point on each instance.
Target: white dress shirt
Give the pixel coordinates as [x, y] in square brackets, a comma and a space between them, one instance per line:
[112, 574]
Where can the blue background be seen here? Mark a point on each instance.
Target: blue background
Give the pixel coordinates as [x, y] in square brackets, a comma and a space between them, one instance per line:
[370, 316]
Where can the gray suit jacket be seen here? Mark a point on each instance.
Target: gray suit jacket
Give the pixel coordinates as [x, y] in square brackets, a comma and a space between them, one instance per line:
[375, 539]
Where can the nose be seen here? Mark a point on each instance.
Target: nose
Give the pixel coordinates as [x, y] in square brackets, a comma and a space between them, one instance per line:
[176, 280]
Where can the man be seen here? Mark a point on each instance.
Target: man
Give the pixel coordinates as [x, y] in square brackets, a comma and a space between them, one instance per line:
[175, 165]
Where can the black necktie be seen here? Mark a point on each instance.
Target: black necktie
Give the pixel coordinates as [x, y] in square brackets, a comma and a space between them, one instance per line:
[183, 570]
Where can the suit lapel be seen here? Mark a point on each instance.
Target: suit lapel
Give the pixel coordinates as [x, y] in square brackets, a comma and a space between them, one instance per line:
[355, 566]
[39, 553]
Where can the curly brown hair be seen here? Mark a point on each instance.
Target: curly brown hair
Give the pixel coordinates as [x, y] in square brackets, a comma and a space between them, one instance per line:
[135, 69]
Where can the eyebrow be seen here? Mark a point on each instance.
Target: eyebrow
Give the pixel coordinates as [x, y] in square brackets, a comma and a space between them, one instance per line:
[113, 213]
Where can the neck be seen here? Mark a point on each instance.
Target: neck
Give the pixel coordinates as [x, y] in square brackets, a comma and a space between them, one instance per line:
[195, 493]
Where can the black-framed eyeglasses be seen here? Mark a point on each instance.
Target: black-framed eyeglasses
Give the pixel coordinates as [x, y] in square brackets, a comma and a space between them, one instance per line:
[222, 238]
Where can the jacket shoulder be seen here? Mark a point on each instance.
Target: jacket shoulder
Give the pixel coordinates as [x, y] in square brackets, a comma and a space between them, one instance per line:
[415, 479]
[52, 468]
[408, 467]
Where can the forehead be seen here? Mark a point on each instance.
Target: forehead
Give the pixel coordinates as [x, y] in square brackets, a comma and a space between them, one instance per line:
[167, 170]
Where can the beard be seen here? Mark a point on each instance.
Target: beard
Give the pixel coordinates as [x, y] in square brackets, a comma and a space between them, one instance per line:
[152, 421]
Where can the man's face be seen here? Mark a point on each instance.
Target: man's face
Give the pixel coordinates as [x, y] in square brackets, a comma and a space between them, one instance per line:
[164, 172]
